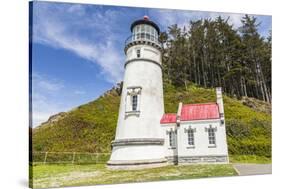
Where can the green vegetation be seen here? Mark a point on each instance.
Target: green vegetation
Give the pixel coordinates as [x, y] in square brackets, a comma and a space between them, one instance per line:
[249, 159]
[76, 175]
[211, 53]
[91, 127]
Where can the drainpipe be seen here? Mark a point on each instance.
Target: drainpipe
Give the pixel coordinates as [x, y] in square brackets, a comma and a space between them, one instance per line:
[176, 133]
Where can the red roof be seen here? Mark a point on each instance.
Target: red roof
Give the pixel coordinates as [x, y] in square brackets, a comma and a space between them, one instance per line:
[169, 118]
[199, 111]
[193, 112]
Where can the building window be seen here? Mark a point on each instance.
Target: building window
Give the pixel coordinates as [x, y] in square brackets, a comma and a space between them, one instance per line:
[138, 53]
[134, 102]
[172, 139]
[211, 135]
[190, 137]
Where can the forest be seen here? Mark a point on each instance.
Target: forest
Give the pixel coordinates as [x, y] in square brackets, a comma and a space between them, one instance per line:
[212, 53]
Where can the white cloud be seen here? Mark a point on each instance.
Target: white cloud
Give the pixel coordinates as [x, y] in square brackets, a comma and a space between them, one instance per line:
[43, 89]
[182, 18]
[42, 83]
[79, 92]
[60, 27]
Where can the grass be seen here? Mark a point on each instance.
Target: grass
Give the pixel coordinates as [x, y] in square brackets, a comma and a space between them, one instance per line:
[249, 159]
[60, 175]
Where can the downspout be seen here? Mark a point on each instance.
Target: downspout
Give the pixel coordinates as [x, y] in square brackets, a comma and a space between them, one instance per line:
[176, 133]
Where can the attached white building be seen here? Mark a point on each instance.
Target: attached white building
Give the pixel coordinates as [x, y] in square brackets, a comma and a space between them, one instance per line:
[196, 134]
[145, 136]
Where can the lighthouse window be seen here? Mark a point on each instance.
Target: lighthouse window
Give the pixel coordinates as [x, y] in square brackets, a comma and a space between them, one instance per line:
[138, 53]
[142, 28]
[134, 102]
[152, 34]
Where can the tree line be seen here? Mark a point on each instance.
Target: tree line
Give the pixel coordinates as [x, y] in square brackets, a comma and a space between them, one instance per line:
[211, 53]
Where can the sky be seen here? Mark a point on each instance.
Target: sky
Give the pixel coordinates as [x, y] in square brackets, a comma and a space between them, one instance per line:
[78, 49]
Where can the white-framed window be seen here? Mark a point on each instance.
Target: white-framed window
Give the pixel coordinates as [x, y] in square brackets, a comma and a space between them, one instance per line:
[211, 135]
[190, 137]
[134, 102]
[138, 52]
[172, 139]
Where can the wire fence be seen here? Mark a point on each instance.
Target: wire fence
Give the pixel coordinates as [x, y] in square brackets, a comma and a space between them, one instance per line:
[69, 158]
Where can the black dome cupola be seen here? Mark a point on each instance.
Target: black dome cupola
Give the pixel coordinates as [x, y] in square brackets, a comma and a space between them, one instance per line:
[145, 21]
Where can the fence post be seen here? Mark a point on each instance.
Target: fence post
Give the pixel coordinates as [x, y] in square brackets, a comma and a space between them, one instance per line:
[45, 159]
[73, 157]
[97, 158]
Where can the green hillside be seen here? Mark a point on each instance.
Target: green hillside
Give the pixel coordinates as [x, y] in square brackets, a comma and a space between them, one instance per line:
[91, 127]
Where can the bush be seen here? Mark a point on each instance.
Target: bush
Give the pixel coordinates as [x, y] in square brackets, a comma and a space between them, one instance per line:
[249, 138]
[237, 129]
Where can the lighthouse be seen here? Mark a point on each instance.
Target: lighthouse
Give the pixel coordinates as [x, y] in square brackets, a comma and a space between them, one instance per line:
[139, 139]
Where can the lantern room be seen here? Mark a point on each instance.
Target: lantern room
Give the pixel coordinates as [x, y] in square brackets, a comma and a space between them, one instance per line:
[144, 31]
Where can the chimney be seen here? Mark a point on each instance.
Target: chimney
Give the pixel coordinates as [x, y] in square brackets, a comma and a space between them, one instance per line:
[179, 114]
[220, 101]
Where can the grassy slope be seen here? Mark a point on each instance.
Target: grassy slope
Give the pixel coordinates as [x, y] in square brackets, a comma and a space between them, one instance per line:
[91, 127]
[76, 175]
[88, 128]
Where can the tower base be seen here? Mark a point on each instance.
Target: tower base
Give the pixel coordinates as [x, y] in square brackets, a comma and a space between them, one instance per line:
[136, 164]
[137, 153]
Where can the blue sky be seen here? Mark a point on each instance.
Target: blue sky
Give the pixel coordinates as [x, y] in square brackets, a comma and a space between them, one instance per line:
[78, 49]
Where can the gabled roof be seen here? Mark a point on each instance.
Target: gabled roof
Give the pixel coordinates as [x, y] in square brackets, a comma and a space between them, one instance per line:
[199, 112]
[191, 112]
[168, 118]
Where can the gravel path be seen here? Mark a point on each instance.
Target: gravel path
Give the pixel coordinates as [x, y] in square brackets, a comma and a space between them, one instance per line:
[253, 169]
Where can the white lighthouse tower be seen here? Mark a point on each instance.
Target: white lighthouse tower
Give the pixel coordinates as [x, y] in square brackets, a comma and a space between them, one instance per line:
[139, 139]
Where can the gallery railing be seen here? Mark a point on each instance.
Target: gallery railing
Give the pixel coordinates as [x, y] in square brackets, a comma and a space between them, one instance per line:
[142, 37]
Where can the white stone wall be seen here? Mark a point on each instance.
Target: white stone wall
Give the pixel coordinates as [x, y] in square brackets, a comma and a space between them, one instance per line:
[148, 76]
[166, 129]
[201, 142]
[132, 152]
[201, 147]
[147, 52]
